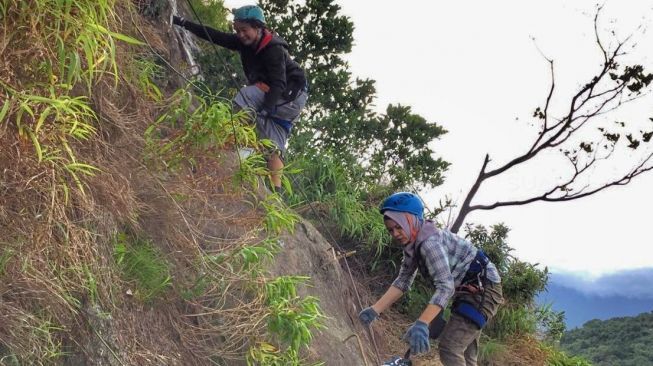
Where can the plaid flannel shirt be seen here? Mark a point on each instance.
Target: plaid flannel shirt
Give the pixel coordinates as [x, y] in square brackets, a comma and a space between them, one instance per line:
[447, 258]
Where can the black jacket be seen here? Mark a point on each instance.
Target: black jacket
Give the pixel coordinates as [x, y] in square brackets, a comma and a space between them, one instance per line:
[272, 64]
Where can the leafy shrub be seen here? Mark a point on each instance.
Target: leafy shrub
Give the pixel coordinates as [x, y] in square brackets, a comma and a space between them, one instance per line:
[291, 317]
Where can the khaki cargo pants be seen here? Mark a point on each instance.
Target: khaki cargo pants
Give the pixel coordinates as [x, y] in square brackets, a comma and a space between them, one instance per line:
[459, 340]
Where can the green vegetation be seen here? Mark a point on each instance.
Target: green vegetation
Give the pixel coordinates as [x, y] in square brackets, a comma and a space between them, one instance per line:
[348, 158]
[5, 255]
[619, 341]
[78, 97]
[146, 71]
[144, 265]
[205, 127]
[289, 317]
[55, 54]
[73, 43]
[77, 83]
[559, 358]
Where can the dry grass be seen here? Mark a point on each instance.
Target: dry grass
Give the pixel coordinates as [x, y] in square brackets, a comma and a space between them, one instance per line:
[521, 350]
[61, 295]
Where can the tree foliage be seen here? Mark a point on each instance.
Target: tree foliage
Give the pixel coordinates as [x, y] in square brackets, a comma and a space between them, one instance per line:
[622, 341]
[393, 146]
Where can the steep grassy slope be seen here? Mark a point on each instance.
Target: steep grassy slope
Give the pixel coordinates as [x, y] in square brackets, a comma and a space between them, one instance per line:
[131, 232]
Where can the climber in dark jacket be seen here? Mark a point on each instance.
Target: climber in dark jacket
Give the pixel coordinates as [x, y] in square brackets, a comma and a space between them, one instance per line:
[277, 90]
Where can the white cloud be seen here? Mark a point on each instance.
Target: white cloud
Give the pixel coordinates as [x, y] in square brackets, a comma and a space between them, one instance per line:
[634, 283]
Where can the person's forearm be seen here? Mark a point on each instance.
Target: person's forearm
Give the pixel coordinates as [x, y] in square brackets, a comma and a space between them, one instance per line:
[220, 38]
[430, 313]
[390, 297]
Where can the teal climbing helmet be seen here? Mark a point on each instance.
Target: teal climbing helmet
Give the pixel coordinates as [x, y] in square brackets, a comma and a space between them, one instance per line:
[249, 13]
[404, 202]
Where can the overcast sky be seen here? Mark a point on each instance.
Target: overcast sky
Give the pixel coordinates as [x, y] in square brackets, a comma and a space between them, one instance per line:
[476, 67]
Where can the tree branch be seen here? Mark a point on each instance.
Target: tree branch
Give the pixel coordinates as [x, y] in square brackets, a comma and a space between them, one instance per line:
[545, 114]
[595, 98]
[465, 208]
[569, 197]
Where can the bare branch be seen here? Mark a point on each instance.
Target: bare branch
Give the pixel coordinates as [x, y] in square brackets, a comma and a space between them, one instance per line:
[593, 99]
[569, 197]
[464, 209]
[545, 128]
[596, 34]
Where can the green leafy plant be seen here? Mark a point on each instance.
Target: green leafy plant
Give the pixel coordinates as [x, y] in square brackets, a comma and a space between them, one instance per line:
[291, 317]
[344, 201]
[512, 320]
[142, 264]
[278, 217]
[490, 348]
[251, 257]
[251, 171]
[559, 358]
[68, 42]
[552, 323]
[5, 256]
[266, 354]
[146, 72]
[191, 125]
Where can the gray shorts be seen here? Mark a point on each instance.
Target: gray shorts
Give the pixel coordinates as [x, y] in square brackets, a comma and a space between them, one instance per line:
[251, 99]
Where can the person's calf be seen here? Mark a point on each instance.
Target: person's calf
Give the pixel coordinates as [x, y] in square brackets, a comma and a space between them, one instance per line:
[275, 165]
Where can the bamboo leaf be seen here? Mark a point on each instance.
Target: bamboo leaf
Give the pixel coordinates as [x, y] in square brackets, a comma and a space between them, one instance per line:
[82, 168]
[126, 39]
[44, 115]
[115, 35]
[37, 145]
[5, 109]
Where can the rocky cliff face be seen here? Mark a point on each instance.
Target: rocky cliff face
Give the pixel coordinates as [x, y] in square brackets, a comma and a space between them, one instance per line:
[308, 253]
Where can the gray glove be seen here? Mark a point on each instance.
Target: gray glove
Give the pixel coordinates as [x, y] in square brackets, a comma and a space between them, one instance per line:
[417, 337]
[367, 316]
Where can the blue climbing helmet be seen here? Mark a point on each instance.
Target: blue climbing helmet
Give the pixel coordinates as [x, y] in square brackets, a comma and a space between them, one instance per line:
[249, 13]
[404, 202]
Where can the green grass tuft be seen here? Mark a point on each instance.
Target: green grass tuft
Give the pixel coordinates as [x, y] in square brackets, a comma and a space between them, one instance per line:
[144, 265]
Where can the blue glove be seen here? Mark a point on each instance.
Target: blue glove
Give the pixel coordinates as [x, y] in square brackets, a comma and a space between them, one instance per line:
[367, 316]
[417, 337]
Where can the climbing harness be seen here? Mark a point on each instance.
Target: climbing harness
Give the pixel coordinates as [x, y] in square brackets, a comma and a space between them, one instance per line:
[473, 283]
